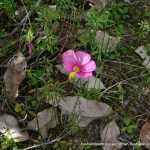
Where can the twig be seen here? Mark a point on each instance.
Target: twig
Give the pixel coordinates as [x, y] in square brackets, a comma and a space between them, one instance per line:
[25, 19]
[121, 82]
[47, 143]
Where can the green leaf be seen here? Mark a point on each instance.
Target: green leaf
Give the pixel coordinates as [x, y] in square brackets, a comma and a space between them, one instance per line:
[129, 130]
[124, 129]
[18, 107]
[133, 126]
[127, 121]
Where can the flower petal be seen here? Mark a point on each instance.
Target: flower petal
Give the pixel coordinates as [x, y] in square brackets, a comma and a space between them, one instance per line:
[82, 57]
[69, 60]
[84, 74]
[68, 67]
[69, 56]
[89, 67]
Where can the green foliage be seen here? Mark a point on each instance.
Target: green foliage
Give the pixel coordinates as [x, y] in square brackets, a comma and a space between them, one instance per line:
[129, 127]
[91, 95]
[47, 14]
[8, 143]
[96, 20]
[35, 76]
[73, 123]
[47, 41]
[9, 6]
[85, 147]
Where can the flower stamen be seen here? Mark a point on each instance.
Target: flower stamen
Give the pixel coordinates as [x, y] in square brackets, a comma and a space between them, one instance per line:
[76, 69]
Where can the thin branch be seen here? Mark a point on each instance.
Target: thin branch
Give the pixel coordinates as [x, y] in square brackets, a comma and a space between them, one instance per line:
[25, 19]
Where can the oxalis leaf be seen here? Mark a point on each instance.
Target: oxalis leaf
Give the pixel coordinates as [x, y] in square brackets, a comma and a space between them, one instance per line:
[87, 110]
[109, 136]
[9, 127]
[45, 120]
[145, 134]
[14, 75]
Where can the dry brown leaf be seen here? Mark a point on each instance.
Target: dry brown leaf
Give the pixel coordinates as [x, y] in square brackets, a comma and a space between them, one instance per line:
[90, 83]
[45, 120]
[142, 52]
[87, 110]
[108, 42]
[10, 128]
[145, 134]
[98, 2]
[110, 135]
[14, 75]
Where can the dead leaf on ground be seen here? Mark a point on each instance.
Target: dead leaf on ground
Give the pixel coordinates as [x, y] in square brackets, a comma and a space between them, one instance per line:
[104, 3]
[108, 43]
[14, 75]
[90, 83]
[10, 128]
[87, 110]
[142, 52]
[145, 134]
[45, 120]
[109, 135]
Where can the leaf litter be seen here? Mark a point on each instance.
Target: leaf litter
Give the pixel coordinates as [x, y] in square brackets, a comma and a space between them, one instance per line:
[14, 75]
[9, 127]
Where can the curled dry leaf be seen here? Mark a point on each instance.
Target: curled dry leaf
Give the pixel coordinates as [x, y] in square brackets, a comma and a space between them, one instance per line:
[45, 120]
[109, 135]
[107, 42]
[10, 128]
[143, 54]
[145, 134]
[87, 110]
[14, 75]
[90, 83]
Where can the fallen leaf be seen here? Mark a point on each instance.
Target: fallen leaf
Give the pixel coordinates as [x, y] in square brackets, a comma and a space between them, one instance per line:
[10, 128]
[14, 75]
[145, 134]
[109, 136]
[45, 120]
[142, 52]
[90, 83]
[99, 2]
[108, 43]
[87, 110]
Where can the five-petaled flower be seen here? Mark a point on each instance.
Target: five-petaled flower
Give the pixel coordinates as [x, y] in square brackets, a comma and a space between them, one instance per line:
[78, 64]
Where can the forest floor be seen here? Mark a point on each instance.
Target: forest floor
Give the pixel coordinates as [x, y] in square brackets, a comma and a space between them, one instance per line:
[115, 33]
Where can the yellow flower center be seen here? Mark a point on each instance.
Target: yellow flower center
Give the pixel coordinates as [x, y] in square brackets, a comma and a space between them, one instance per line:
[76, 69]
[72, 75]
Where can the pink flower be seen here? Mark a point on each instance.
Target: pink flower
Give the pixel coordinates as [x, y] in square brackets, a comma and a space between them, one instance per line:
[30, 46]
[78, 64]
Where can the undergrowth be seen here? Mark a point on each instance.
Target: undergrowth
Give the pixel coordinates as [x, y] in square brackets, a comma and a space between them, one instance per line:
[55, 26]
